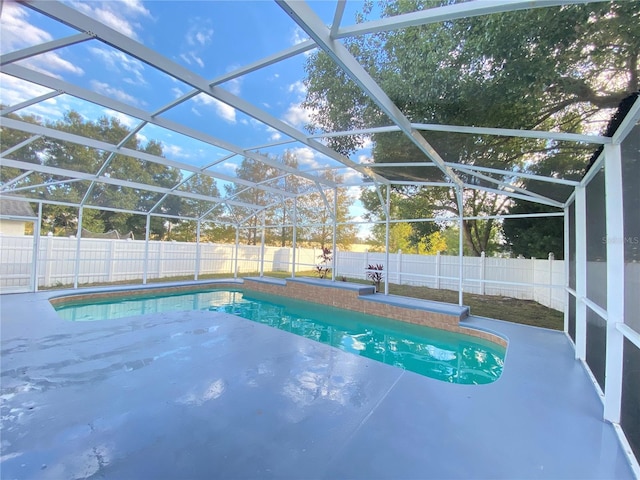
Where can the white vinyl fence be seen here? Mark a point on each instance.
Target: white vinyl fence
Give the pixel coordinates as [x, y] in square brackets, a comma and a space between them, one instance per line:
[108, 260]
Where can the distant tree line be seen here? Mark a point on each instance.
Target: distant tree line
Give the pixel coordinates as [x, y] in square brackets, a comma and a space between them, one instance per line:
[311, 208]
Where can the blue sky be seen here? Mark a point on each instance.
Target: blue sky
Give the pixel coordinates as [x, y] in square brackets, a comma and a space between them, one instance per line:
[210, 38]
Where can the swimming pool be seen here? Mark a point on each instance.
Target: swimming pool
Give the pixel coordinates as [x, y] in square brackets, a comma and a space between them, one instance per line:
[446, 356]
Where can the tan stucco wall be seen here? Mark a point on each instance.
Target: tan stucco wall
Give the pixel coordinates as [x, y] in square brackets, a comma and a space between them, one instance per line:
[12, 227]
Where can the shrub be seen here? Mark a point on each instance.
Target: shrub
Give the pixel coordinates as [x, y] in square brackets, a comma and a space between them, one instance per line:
[374, 273]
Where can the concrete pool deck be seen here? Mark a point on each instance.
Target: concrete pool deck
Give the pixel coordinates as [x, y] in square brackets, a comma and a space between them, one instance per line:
[210, 395]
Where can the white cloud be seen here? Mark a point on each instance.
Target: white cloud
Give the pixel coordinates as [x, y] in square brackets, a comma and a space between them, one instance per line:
[18, 33]
[306, 157]
[15, 91]
[198, 36]
[119, 62]
[177, 93]
[136, 6]
[200, 32]
[275, 134]
[120, 16]
[298, 36]
[297, 116]
[49, 63]
[233, 85]
[224, 111]
[174, 150]
[125, 120]
[114, 21]
[298, 87]
[106, 89]
[190, 58]
[354, 193]
[229, 168]
[196, 112]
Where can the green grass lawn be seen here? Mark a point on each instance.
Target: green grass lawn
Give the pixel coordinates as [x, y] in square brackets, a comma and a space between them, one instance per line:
[526, 312]
[502, 308]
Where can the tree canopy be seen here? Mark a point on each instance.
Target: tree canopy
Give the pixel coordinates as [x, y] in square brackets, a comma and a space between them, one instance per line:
[548, 69]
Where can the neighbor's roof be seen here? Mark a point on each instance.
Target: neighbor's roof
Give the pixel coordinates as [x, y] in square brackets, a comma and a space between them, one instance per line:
[15, 208]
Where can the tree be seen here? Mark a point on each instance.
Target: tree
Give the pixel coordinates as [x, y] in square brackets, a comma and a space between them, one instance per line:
[258, 173]
[534, 237]
[186, 230]
[74, 157]
[316, 218]
[290, 184]
[546, 68]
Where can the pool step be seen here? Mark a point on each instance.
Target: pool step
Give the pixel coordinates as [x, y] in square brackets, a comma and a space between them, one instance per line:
[364, 299]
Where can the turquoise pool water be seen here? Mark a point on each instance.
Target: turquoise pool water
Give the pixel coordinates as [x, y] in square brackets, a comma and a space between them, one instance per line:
[446, 356]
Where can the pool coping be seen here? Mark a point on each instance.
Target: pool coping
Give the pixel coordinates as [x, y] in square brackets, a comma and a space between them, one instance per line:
[90, 293]
[364, 299]
[355, 297]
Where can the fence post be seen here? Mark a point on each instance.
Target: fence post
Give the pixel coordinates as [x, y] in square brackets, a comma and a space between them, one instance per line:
[551, 259]
[196, 272]
[366, 262]
[47, 260]
[236, 254]
[76, 273]
[483, 265]
[438, 259]
[160, 258]
[399, 267]
[111, 256]
[35, 262]
[145, 267]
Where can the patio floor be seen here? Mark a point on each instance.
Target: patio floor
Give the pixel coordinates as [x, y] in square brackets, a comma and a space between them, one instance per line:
[209, 395]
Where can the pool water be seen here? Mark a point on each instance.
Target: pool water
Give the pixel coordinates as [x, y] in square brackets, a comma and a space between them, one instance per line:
[446, 356]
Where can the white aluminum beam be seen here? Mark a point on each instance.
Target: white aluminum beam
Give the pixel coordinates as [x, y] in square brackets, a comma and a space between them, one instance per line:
[507, 185]
[272, 59]
[581, 272]
[551, 203]
[87, 142]
[449, 13]
[13, 181]
[90, 96]
[41, 48]
[28, 103]
[79, 21]
[18, 146]
[513, 132]
[629, 122]
[337, 17]
[567, 254]
[108, 160]
[265, 62]
[45, 185]
[615, 282]
[501, 132]
[74, 175]
[306, 18]
[512, 173]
